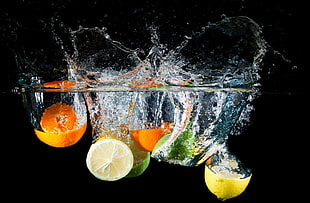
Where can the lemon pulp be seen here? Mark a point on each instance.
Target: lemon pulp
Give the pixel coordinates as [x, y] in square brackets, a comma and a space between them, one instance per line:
[109, 159]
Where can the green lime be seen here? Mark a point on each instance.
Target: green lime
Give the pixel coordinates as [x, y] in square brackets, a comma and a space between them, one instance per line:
[141, 161]
[179, 150]
[140, 168]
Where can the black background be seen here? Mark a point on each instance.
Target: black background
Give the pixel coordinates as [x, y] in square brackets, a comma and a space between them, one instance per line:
[274, 146]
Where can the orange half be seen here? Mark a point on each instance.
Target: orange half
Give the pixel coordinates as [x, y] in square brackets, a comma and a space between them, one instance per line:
[60, 126]
[63, 139]
[59, 117]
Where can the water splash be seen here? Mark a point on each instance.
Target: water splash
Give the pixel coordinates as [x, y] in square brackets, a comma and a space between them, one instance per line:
[231, 59]
[204, 86]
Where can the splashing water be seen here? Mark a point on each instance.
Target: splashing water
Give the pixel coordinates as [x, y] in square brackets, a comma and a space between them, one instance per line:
[226, 54]
[204, 86]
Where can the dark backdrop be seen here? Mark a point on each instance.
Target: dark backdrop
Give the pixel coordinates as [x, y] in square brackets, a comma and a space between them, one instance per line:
[273, 146]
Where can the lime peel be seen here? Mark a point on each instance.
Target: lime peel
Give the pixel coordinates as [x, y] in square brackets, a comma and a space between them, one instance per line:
[140, 168]
[179, 150]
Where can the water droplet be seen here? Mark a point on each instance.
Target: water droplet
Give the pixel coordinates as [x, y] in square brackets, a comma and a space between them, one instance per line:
[294, 67]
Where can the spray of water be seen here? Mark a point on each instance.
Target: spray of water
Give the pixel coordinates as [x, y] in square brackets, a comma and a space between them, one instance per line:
[204, 86]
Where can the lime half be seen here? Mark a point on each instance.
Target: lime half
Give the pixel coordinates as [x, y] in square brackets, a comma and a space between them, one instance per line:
[176, 148]
[141, 160]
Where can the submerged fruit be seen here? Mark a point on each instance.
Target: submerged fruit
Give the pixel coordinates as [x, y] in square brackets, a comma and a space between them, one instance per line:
[180, 150]
[227, 179]
[59, 117]
[60, 126]
[109, 159]
[62, 139]
[146, 139]
[141, 161]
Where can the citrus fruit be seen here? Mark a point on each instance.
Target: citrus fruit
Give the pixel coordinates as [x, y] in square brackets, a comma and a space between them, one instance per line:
[224, 182]
[141, 161]
[58, 117]
[63, 139]
[61, 85]
[176, 148]
[109, 159]
[146, 139]
[60, 126]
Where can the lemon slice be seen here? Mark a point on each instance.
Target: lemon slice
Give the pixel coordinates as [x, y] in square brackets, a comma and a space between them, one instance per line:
[109, 159]
[223, 183]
